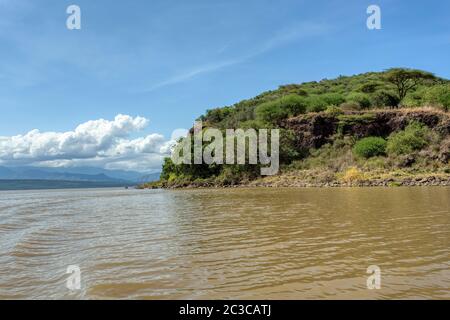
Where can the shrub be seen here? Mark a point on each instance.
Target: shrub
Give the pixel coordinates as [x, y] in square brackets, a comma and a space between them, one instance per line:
[294, 104]
[335, 156]
[414, 137]
[445, 101]
[384, 98]
[316, 104]
[353, 174]
[370, 147]
[274, 111]
[302, 92]
[320, 103]
[271, 112]
[361, 99]
[218, 114]
[333, 98]
[333, 110]
[414, 99]
[234, 174]
[350, 106]
[438, 95]
[375, 163]
[369, 87]
[252, 124]
[288, 146]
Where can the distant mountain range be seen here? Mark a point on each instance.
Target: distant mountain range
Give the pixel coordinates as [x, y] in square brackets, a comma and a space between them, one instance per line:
[27, 177]
[58, 184]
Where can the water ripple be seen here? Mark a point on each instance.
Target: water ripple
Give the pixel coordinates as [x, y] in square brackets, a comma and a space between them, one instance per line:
[240, 244]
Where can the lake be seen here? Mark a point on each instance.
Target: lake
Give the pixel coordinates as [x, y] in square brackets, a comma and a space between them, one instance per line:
[226, 243]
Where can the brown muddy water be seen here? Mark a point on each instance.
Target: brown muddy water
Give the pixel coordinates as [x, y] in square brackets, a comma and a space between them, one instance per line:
[226, 244]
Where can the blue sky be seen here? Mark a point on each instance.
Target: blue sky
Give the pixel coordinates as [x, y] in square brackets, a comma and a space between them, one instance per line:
[169, 61]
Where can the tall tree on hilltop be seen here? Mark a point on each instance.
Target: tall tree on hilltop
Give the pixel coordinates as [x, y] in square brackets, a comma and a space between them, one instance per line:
[406, 80]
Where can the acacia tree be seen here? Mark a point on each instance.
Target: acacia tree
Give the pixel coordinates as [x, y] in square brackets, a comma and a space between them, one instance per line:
[406, 80]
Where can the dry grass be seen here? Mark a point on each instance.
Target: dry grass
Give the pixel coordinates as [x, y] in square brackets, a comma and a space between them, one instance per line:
[404, 110]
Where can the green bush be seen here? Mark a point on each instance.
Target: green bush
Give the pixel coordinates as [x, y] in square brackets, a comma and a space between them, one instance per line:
[294, 104]
[333, 99]
[414, 99]
[414, 137]
[361, 99]
[438, 95]
[385, 98]
[334, 110]
[271, 112]
[369, 87]
[274, 111]
[234, 174]
[316, 104]
[370, 147]
[218, 114]
[445, 101]
[288, 146]
[302, 92]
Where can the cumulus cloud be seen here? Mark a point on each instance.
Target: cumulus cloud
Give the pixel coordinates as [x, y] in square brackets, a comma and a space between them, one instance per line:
[98, 142]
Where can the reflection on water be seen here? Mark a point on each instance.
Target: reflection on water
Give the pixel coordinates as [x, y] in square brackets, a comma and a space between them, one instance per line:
[240, 243]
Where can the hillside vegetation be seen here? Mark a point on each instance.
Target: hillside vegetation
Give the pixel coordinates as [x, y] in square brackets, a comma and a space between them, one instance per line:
[377, 128]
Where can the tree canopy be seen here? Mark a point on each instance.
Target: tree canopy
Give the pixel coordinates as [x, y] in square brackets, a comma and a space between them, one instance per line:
[406, 80]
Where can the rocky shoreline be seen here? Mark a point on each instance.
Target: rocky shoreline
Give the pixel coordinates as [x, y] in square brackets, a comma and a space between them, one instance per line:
[408, 182]
[291, 182]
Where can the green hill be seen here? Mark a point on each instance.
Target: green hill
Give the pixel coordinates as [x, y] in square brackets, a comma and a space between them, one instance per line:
[359, 92]
[369, 129]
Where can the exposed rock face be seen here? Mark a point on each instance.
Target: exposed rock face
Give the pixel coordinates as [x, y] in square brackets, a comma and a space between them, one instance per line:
[314, 130]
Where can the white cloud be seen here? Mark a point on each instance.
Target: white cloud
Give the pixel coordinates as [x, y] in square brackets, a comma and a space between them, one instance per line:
[100, 143]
